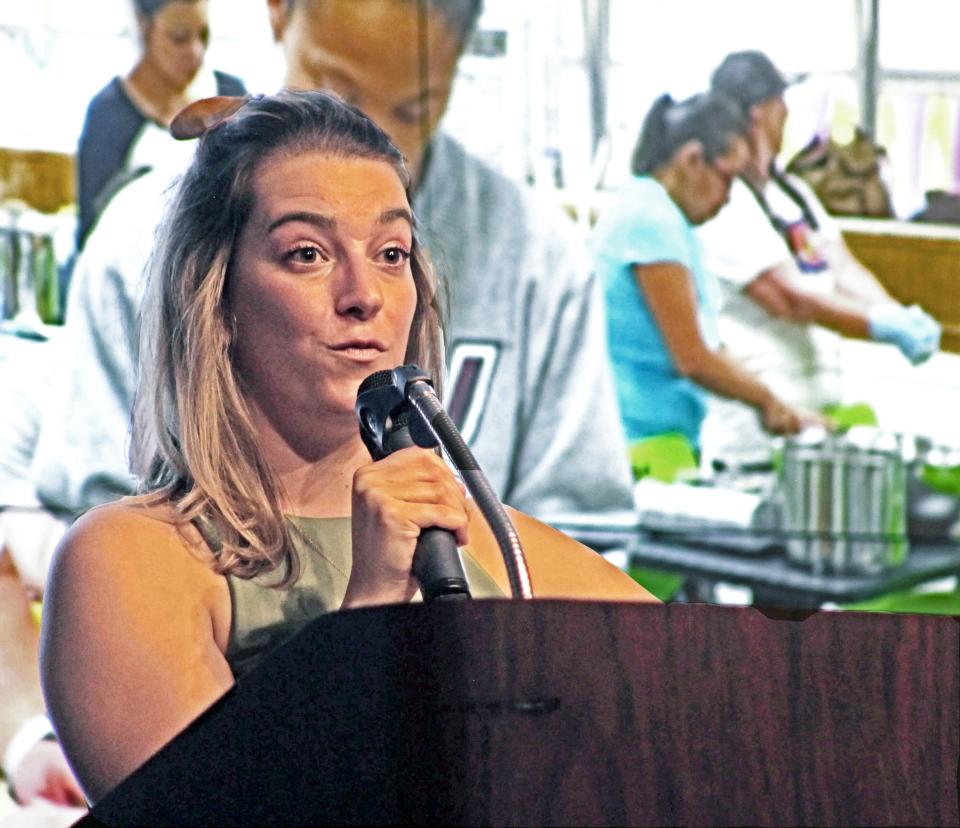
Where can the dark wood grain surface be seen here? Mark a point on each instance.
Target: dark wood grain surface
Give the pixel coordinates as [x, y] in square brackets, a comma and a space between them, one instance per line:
[576, 713]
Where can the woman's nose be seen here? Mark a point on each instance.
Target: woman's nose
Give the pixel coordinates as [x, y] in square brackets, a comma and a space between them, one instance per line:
[197, 52]
[358, 290]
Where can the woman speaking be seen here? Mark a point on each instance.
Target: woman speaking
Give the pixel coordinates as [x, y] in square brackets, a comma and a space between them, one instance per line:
[287, 270]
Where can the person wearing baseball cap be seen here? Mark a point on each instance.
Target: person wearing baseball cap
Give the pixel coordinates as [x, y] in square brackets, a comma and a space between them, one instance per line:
[748, 78]
[791, 286]
[751, 80]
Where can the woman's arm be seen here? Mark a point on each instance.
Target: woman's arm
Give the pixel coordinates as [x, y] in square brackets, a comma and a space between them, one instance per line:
[777, 292]
[132, 642]
[669, 293]
[853, 279]
[860, 309]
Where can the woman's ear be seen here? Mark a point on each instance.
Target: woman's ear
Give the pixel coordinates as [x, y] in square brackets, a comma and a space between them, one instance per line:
[690, 156]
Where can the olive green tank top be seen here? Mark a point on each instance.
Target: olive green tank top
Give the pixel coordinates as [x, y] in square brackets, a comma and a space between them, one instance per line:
[264, 617]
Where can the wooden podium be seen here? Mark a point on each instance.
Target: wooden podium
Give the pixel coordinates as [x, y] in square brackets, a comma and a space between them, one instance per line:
[574, 713]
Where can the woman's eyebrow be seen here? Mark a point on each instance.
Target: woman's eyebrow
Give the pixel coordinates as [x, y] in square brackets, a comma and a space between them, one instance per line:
[402, 213]
[325, 222]
[319, 220]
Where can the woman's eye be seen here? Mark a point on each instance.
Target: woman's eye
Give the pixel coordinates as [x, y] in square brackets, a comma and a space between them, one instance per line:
[395, 255]
[305, 255]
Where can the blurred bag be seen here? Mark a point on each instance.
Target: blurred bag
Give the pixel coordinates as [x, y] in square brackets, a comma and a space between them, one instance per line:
[846, 177]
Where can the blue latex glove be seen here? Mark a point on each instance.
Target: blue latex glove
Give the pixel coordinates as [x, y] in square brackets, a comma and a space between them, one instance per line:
[911, 329]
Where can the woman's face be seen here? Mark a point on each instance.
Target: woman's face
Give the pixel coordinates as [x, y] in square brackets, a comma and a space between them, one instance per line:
[175, 41]
[321, 287]
[772, 117]
[368, 52]
[708, 182]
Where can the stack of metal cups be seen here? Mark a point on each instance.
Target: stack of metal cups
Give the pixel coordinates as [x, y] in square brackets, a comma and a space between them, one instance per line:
[10, 258]
[29, 275]
[844, 503]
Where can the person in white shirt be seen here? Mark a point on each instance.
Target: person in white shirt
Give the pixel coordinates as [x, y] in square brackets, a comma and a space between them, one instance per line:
[790, 283]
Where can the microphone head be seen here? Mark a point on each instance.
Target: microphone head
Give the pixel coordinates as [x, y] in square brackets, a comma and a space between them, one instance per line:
[377, 379]
[381, 401]
[377, 400]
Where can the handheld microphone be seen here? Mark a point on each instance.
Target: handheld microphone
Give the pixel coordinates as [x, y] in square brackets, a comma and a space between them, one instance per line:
[386, 426]
[383, 397]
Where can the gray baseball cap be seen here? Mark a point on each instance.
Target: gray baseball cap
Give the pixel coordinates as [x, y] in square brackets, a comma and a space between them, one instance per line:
[748, 78]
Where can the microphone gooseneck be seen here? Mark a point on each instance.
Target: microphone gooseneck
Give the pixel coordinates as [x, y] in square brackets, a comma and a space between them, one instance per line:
[424, 399]
[387, 393]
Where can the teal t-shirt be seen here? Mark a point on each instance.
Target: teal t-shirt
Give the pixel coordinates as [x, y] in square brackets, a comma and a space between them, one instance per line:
[643, 226]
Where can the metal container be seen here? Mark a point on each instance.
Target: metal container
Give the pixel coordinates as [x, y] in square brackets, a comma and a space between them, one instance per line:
[844, 504]
[27, 280]
[876, 485]
[30, 292]
[45, 278]
[9, 271]
[933, 493]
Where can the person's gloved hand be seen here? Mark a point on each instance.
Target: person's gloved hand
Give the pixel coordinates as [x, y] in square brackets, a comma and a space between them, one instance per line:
[911, 329]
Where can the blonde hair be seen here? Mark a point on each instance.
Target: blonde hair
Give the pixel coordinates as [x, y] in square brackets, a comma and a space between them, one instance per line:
[194, 443]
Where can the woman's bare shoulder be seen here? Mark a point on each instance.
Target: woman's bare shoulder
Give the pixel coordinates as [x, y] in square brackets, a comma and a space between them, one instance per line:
[129, 596]
[560, 567]
[127, 512]
[134, 549]
[135, 529]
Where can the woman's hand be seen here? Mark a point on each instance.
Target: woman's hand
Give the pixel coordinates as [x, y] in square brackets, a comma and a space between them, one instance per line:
[780, 418]
[393, 500]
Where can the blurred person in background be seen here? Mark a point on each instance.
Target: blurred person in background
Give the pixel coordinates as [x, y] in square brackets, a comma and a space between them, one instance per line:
[525, 338]
[32, 766]
[525, 318]
[125, 129]
[790, 284]
[661, 302]
[34, 770]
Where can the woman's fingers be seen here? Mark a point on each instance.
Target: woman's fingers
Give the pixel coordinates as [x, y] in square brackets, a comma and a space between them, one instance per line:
[411, 474]
[408, 465]
[414, 506]
[409, 518]
[394, 499]
[780, 418]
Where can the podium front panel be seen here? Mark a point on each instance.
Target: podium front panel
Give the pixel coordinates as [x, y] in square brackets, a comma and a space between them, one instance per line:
[574, 713]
